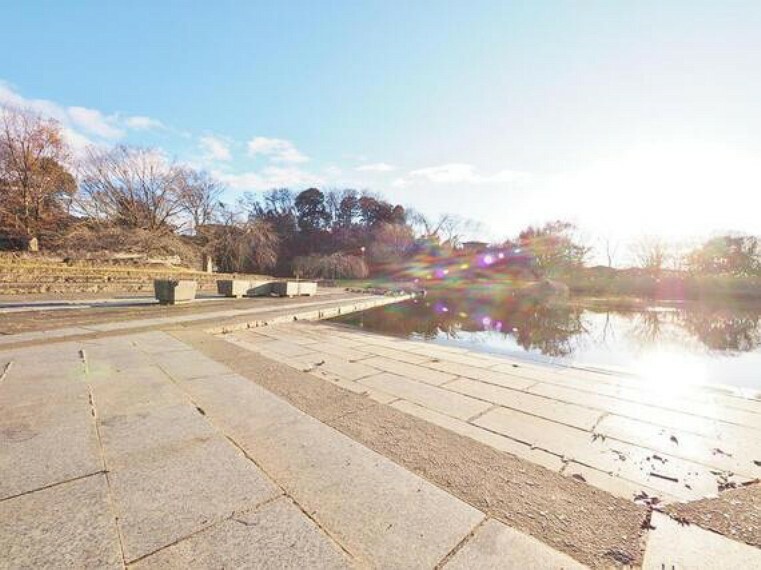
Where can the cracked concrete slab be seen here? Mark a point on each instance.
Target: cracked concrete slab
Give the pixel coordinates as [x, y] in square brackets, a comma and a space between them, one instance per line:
[674, 545]
[496, 546]
[275, 535]
[70, 525]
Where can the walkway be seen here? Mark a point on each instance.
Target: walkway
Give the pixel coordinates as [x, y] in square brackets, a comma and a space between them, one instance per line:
[607, 430]
[207, 444]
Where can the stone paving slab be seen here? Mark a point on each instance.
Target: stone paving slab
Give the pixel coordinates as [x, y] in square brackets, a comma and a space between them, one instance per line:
[579, 419]
[672, 475]
[346, 353]
[418, 373]
[691, 417]
[482, 374]
[496, 546]
[135, 393]
[331, 366]
[735, 455]
[70, 525]
[562, 412]
[699, 400]
[433, 397]
[172, 420]
[182, 368]
[277, 535]
[149, 434]
[43, 449]
[179, 491]
[383, 514]
[672, 545]
[328, 305]
[284, 348]
[705, 426]
[372, 393]
[402, 356]
[548, 460]
[47, 432]
[517, 492]
[171, 472]
[614, 484]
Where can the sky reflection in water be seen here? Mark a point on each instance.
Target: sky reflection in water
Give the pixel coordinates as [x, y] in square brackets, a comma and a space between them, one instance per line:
[670, 348]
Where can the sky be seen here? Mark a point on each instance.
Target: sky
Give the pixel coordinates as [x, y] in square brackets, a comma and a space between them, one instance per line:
[629, 119]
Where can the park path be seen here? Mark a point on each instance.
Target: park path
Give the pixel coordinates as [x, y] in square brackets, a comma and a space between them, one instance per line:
[609, 430]
[207, 446]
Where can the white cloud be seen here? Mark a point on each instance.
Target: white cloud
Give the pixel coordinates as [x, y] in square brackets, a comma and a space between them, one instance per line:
[78, 123]
[143, 123]
[215, 148]
[270, 177]
[375, 167]
[95, 122]
[8, 96]
[277, 150]
[459, 173]
[77, 141]
[333, 171]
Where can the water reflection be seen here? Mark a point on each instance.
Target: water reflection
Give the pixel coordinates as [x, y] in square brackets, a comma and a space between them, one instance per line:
[694, 341]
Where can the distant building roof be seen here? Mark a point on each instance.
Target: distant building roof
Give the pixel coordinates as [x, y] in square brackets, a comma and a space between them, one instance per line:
[474, 245]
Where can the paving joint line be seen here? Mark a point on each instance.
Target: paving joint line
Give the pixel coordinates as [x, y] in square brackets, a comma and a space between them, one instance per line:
[561, 456]
[522, 391]
[205, 527]
[52, 485]
[94, 412]
[494, 405]
[482, 413]
[655, 404]
[253, 461]
[6, 370]
[461, 544]
[233, 360]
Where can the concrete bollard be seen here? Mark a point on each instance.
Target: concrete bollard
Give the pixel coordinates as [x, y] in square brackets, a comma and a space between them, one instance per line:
[233, 287]
[172, 292]
[307, 288]
[295, 288]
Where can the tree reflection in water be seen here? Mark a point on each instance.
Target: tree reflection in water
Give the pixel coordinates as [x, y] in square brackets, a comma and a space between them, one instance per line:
[560, 328]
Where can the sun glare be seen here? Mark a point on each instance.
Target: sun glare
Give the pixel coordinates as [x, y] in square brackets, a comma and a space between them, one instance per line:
[675, 190]
[670, 372]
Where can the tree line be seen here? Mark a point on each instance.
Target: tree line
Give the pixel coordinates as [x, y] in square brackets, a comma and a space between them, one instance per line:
[111, 194]
[107, 196]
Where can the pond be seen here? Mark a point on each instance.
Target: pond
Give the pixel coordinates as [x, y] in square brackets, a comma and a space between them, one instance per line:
[678, 344]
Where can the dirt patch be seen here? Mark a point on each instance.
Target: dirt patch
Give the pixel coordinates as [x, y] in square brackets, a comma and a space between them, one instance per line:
[735, 513]
[590, 525]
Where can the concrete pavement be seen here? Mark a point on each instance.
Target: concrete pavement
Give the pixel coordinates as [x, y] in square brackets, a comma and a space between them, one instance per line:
[211, 444]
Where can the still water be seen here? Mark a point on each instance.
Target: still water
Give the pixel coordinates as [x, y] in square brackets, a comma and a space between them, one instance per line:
[675, 344]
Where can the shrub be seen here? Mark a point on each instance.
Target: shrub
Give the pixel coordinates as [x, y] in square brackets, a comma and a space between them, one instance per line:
[335, 266]
[103, 242]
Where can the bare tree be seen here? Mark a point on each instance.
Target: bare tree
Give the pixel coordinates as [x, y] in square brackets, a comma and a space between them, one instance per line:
[240, 243]
[609, 248]
[651, 253]
[132, 187]
[34, 184]
[446, 229]
[198, 196]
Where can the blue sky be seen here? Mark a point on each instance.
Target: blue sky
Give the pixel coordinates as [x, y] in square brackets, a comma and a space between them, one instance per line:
[629, 118]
